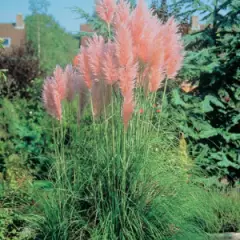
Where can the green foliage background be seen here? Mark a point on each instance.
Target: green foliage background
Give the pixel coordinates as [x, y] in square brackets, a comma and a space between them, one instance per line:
[210, 115]
[57, 46]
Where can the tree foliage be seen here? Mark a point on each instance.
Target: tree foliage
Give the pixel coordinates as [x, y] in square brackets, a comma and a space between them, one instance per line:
[57, 46]
[38, 6]
[211, 114]
[160, 9]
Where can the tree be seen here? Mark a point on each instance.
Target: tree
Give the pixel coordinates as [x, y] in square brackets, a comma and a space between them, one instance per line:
[38, 7]
[210, 114]
[161, 10]
[58, 46]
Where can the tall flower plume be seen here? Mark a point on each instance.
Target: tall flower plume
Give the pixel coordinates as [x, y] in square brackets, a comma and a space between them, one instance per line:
[83, 66]
[106, 9]
[156, 62]
[173, 57]
[51, 98]
[139, 19]
[122, 15]
[156, 76]
[127, 69]
[124, 46]
[95, 54]
[60, 82]
[109, 64]
[69, 79]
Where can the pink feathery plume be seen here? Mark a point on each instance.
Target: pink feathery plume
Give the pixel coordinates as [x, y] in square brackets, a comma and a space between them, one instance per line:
[95, 54]
[156, 66]
[106, 9]
[147, 41]
[60, 82]
[109, 64]
[122, 15]
[83, 66]
[157, 52]
[127, 76]
[173, 57]
[139, 18]
[51, 98]
[124, 46]
[127, 69]
[70, 84]
[156, 78]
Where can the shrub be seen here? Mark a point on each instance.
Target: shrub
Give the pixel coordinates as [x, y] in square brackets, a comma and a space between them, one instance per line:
[22, 67]
[24, 134]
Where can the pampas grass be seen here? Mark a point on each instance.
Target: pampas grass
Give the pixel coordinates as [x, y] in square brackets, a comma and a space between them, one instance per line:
[114, 180]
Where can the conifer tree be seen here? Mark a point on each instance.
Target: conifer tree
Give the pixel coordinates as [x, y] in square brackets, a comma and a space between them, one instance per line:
[160, 9]
[210, 114]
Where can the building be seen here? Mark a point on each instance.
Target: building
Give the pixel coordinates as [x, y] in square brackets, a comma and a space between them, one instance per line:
[196, 26]
[85, 28]
[13, 34]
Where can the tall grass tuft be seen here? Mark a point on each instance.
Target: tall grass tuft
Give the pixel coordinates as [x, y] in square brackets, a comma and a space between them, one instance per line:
[115, 184]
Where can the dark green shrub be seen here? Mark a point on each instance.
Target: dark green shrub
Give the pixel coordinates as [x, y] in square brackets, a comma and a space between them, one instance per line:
[22, 67]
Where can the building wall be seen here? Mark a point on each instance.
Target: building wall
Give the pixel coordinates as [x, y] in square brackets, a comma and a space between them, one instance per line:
[14, 32]
[85, 28]
[17, 36]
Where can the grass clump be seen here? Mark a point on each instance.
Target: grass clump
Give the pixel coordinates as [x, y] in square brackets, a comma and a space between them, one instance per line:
[113, 184]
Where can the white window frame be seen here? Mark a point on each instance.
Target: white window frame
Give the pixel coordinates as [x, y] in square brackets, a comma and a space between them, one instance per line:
[9, 42]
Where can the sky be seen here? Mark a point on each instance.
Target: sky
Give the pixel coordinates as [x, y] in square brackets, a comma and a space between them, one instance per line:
[60, 9]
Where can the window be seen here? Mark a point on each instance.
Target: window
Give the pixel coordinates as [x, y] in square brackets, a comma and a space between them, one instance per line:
[6, 42]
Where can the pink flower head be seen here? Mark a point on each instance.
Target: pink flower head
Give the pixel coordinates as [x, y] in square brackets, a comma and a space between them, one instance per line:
[95, 54]
[173, 56]
[83, 66]
[60, 82]
[122, 15]
[124, 46]
[109, 64]
[156, 77]
[51, 98]
[127, 76]
[70, 84]
[106, 9]
[139, 20]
